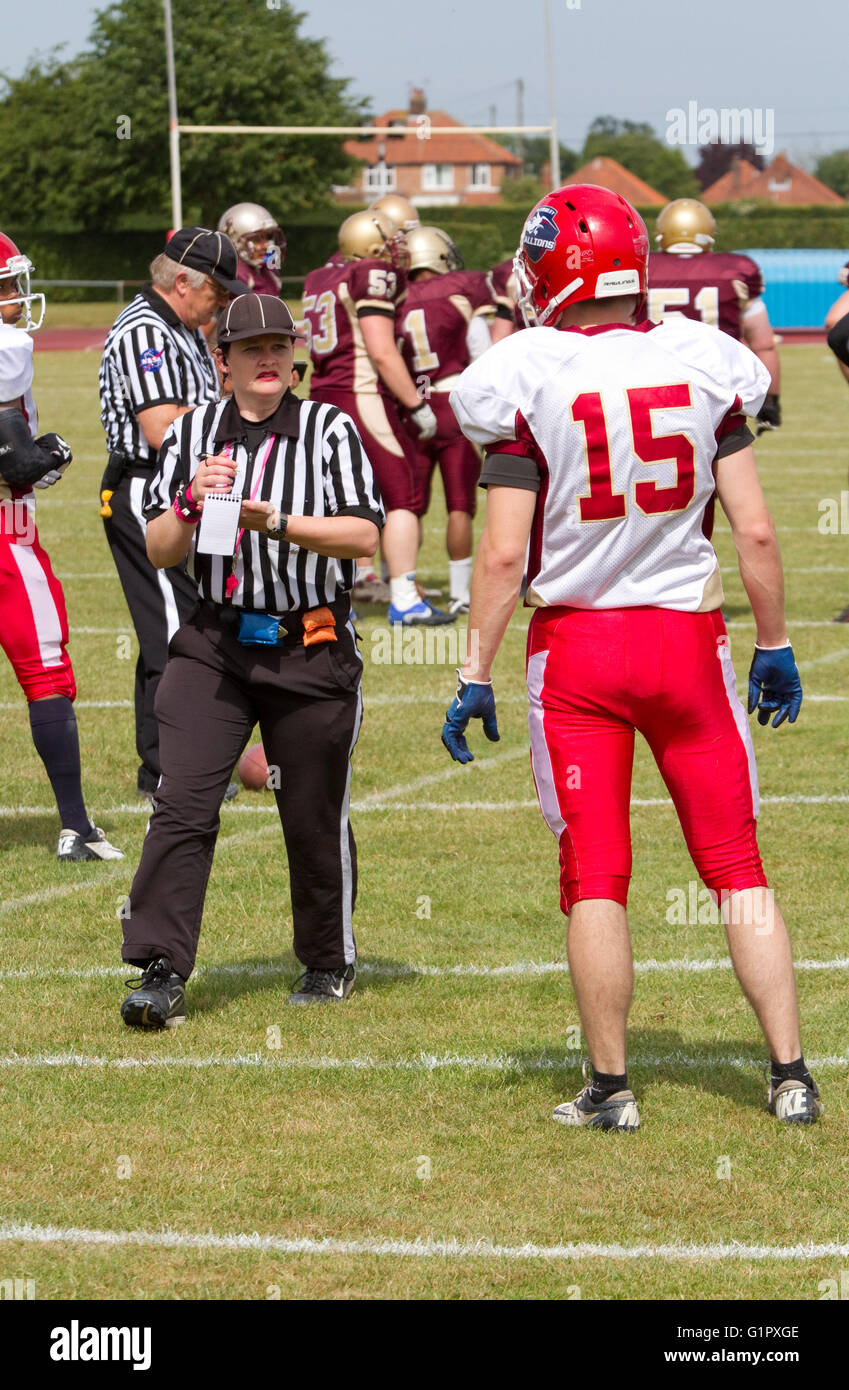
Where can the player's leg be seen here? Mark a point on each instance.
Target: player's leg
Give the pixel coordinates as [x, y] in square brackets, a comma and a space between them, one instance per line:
[205, 719]
[704, 751]
[159, 602]
[582, 754]
[460, 465]
[34, 636]
[392, 455]
[310, 715]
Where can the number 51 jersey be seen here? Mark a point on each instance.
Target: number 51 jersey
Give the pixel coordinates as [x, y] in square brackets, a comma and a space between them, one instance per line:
[617, 429]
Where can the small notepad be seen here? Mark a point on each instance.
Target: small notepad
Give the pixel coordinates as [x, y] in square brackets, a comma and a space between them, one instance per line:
[219, 523]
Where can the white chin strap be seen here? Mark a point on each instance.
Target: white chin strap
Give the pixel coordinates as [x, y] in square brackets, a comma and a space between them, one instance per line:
[534, 318]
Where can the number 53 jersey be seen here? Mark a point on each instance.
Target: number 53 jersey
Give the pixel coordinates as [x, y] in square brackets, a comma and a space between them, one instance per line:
[336, 297]
[617, 429]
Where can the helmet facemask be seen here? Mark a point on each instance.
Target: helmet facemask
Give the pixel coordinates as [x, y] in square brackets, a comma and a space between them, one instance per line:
[275, 251]
[18, 268]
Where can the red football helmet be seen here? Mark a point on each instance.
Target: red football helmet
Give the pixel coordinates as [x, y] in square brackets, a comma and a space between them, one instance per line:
[581, 242]
[15, 266]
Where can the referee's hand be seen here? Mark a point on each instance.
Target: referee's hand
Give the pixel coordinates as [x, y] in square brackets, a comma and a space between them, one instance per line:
[215, 473]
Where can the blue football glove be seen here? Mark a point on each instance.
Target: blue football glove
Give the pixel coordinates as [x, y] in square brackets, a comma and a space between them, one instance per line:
[473, 700]
[774, 685]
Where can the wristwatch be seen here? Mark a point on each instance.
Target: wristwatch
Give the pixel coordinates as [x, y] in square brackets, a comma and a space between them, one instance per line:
[276, 525]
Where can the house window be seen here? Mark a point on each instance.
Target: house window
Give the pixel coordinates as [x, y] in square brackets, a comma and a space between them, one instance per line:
[437, 176]
[480, 176]
[379, 178]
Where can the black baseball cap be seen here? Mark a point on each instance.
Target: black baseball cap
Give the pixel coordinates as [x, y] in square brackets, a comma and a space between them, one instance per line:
[198, 248]
[252, 315]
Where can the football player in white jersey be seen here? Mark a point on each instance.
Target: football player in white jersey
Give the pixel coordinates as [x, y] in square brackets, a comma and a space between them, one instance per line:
[33, 621]
[604, 443]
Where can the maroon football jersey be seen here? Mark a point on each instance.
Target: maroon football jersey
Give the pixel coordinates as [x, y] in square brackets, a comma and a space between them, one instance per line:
[334, 298]
[714, 286]
[504, 286]
[259, 279]
[431, 323]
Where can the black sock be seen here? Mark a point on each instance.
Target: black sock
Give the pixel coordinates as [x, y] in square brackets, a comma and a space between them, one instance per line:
[54, 733]
[605, 1084]
[790, 1071]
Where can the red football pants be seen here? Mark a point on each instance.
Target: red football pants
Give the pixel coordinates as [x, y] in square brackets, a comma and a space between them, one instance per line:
[594, 676]
[33, 620]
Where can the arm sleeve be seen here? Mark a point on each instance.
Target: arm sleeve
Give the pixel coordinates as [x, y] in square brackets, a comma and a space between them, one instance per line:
[745, 376]
[482, 403]
[477, 337]
[374, 288]
[150, 368]
[838, 340]
[22, 459]
[349, 486]
[15, 364]
[511, 465]
[161, 489]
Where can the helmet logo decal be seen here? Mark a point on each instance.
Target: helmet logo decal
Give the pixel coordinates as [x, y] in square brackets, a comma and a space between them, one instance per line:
[540, 233]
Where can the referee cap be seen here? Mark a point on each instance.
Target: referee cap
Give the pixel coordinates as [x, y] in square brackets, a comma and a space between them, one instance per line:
[213, 253]
[252, 315]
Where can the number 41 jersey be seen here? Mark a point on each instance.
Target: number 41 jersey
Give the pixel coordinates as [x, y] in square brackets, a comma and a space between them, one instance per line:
[616, 429]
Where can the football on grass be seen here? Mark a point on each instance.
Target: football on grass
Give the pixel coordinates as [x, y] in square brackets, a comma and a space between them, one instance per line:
[253, 769]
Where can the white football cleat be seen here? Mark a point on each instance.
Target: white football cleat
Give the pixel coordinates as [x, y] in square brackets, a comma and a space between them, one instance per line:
[794, 1103]
[75, 848]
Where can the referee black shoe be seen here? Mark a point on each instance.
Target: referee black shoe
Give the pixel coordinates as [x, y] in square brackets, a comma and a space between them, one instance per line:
[157, 999]
[323, 986]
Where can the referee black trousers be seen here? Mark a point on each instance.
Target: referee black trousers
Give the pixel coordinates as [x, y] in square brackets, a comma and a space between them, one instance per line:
[158, 600]
[308, 706]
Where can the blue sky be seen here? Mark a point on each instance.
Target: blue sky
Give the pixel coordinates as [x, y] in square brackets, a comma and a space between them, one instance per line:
[628, 58]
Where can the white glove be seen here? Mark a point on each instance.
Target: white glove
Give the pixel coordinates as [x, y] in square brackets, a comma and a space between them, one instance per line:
[424, 420]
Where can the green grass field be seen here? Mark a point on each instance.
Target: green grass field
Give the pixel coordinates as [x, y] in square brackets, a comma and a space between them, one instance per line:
[420, 1111]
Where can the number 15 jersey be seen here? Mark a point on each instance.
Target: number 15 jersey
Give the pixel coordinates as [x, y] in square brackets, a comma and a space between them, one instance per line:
[616, 428]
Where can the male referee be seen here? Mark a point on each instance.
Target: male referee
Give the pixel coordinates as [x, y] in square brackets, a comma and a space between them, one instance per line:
[156, 365]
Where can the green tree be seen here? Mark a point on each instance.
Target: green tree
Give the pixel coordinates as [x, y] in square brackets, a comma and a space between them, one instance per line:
[833, 170]
[636, 147]
[94, 131]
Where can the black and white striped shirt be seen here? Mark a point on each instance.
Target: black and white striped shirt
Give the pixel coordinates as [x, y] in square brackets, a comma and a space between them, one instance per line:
[150, 358]
[315, 466]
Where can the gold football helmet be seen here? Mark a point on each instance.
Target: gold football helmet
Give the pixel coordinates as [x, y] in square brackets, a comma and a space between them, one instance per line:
[372, 235]
[685, 226]
[401, 210]
[432, 249]
[249, 226]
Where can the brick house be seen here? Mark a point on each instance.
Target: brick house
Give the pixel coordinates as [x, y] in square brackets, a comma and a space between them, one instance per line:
[431, 170]
[609, 173]
[781, 182]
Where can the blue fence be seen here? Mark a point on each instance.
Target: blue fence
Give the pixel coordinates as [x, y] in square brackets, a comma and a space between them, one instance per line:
[800, 286]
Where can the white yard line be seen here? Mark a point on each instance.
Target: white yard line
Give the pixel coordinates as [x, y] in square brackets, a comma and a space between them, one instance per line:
[828, 660]
[379, 801]
[422, 1247]
[423, 1062]
[446, 775]
[379, 701]
[684, 965]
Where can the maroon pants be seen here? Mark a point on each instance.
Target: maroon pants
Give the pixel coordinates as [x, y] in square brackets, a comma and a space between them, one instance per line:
[308, 706]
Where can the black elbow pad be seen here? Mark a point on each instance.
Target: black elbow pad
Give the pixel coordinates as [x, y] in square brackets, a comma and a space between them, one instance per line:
[23, 460]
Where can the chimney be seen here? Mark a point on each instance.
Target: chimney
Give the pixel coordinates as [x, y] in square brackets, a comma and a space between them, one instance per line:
[418, 102]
